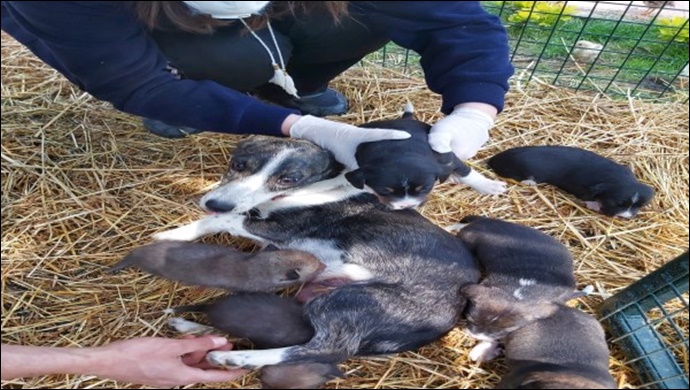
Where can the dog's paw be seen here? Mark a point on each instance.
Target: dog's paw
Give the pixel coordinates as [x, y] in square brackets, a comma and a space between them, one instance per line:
[246, 359]
[485, 351]
[491, 187]
[183, 233]
[593, 205]
[529, 182]
[180, 325]
[456, 227]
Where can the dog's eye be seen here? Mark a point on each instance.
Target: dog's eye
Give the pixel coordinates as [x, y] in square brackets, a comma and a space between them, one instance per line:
[238, 166]
[291, 179]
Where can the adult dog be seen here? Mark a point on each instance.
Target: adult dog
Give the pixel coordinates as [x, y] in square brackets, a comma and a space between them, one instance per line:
[404, 272]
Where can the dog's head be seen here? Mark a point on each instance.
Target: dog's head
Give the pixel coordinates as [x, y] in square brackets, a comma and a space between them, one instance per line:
[406, 179]
[400, 184]
[492, 313]
[623, 201]
[263, 168]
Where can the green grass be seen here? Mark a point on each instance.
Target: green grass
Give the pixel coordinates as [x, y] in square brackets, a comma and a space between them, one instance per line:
[634, 52]
[634, 57]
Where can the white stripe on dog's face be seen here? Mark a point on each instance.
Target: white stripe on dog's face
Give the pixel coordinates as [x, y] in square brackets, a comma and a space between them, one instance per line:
[248, 191]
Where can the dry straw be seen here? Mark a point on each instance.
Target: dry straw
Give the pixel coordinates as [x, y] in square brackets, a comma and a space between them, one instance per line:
[82, 184]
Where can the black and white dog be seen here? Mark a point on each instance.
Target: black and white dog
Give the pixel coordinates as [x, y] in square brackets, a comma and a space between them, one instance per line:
[406, 272]
[604, 185]
[403, 172]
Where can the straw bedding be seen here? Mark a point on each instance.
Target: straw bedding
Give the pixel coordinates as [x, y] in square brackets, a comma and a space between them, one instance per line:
[82, 184]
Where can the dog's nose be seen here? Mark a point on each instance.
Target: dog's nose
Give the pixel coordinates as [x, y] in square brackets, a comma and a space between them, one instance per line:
[218, 206]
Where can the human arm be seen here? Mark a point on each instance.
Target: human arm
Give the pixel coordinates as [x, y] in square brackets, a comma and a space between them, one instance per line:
[150, 361]
[465, 57]
[106, 51]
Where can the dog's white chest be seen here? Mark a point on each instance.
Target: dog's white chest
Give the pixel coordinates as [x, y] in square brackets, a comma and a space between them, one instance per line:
[333, 258]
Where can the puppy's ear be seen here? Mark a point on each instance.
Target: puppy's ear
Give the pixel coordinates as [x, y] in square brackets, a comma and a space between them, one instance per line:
[541, 310]
[474, 292]
[599, 189]
[356, 178]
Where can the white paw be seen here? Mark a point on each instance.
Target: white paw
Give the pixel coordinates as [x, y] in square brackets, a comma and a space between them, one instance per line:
[183, 326]
[593, 205]
[485, 351]
[455, 228]
[179, 234]
[491, 187]
[529, 182]
[247, 359]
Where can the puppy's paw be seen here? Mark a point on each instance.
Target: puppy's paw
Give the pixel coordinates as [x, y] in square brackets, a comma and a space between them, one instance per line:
[492, 187]
[593, 205]
[485, 351]
[529, 182]
[456, 227]
[183, 326]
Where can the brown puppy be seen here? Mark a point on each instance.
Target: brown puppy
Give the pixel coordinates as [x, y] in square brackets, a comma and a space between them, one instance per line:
[269, 321]
[218, 266]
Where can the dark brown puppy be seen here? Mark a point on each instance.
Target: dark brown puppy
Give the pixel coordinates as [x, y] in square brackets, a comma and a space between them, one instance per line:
[268, 321]
[565, 349]
[218, 266]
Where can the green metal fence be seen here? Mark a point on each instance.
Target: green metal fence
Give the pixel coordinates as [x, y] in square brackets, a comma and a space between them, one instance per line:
[624, 49]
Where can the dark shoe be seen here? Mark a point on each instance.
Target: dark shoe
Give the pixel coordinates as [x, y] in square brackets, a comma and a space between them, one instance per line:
[165, 130]
[328, 102]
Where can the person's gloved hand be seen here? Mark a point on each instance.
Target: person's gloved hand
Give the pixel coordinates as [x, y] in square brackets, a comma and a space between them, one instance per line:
[462, 132]
[340, 138]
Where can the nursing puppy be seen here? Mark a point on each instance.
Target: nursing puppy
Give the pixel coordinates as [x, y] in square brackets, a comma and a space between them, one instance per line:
[268, 321]
[218, 266]
[564, 350]
[604, 185]
[405, 272]
[403, 172]
[521, 267]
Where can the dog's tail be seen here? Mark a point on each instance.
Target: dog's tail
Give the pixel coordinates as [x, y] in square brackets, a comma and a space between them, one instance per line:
[408, 111]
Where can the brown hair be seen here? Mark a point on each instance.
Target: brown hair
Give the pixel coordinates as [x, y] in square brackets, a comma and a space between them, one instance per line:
[166, 14]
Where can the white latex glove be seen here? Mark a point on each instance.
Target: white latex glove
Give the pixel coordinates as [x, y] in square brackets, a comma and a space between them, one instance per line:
[462, 132]
[340, 138]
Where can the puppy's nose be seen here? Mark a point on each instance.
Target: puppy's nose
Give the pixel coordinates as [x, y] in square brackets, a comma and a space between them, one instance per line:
[219, 206]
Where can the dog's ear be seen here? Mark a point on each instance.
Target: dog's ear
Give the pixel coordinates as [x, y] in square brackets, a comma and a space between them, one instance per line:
[540, 311]
[599, 189]
[474, 292]
[356, 178]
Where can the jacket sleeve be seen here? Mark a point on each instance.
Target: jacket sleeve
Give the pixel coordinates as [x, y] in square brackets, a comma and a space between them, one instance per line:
[108, 53]
[463, 49]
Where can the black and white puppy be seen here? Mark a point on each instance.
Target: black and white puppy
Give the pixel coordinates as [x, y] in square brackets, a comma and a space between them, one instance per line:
[563, 350]
[406, 271]
[521, 267]
[604, 185]
[403, 172]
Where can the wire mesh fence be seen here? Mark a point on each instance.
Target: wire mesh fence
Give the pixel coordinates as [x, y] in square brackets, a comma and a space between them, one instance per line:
[649, 320]
[619, 48]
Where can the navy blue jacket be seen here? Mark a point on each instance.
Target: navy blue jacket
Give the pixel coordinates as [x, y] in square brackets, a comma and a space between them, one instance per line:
[102, 48]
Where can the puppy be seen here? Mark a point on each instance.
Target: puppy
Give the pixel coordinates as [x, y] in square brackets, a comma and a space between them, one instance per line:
[268, 321]
[402, 173]
[405, 272]
[564, 350]
[218, 266]
[604, 185]
[521, 267]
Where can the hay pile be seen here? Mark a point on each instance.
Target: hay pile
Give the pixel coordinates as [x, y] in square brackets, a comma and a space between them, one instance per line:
[82, 184]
